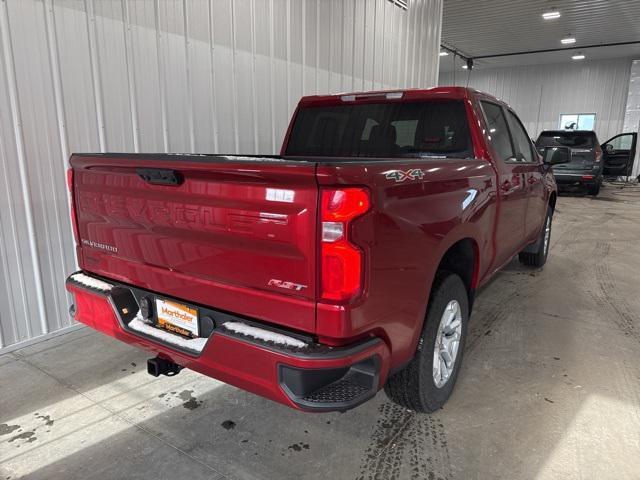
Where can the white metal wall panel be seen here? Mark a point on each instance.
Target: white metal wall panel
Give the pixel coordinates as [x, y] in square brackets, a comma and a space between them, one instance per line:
[166, 76]
[632, 110]
[540, 93]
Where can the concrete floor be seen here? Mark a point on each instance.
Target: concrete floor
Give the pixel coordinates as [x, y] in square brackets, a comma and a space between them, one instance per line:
[550, 388]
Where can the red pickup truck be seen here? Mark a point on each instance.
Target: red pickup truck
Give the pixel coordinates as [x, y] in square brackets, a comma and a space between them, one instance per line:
[314, 278]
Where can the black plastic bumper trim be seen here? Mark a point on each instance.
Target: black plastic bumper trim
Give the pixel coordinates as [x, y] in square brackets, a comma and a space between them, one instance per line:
[331, 389]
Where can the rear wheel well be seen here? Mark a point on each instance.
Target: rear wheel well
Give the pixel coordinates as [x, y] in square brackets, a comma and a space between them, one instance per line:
[461, 259]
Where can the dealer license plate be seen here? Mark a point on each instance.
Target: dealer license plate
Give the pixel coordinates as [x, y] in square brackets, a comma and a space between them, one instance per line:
[177, 317]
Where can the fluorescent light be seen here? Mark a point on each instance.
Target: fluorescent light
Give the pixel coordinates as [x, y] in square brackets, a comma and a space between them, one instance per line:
[568, 40]
[443, 53]
[551, 15]
[465, 67]
[578, 56]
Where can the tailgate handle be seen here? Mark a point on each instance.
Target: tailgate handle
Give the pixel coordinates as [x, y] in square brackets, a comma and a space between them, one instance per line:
[160, 176]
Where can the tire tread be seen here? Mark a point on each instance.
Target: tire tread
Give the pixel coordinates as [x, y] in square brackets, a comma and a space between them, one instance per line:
[539, 258]
[407, 387]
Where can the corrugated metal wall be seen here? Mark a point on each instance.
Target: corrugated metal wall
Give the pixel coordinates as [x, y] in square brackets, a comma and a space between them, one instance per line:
[166, 75]
[540, 93]
[632, 110]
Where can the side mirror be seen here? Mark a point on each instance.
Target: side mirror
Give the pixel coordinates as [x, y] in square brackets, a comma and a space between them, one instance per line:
[608, 148]
[556, 155]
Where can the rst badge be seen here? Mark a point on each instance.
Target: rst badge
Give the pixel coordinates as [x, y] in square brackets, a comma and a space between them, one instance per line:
[285, 284]
[402, 175]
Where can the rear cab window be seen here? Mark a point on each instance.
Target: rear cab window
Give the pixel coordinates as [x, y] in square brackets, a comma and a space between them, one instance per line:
[427, 128]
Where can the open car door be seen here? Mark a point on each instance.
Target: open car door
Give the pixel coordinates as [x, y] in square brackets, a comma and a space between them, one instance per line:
[618, 154]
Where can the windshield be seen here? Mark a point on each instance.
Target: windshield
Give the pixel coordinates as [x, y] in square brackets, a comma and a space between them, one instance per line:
[408, 129]
[566, 139]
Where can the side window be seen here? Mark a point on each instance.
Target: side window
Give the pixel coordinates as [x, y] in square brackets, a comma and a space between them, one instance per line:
[520, 138]
[621, 142]
[498, 131]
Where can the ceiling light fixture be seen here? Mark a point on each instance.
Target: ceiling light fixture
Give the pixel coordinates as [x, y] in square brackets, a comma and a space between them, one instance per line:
[578, 56]
[465, 67]
[551, 14]
[443, 53]
[568, 41]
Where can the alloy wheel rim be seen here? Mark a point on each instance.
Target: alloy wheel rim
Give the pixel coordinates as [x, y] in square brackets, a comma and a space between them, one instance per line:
[447, 343]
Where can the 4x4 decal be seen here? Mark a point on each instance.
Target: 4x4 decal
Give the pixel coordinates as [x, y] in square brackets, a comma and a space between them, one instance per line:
[402, 175]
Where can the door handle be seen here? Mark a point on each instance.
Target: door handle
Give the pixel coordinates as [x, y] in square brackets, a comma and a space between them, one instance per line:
[160, 176]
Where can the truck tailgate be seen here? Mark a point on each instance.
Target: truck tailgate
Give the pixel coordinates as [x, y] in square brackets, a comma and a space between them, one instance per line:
[228, 232]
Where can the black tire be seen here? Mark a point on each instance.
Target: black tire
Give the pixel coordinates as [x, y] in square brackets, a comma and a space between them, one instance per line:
[414, 386]
[539, 257]
[594, 189]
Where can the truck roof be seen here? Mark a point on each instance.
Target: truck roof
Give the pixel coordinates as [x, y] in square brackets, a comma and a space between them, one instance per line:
[453, 92]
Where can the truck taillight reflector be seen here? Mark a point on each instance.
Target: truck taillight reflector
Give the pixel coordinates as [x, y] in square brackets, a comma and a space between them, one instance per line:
[341, 260]
[72, 206]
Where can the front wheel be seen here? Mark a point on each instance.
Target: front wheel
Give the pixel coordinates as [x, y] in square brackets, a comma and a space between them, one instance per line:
[536, 255]
[426, 383]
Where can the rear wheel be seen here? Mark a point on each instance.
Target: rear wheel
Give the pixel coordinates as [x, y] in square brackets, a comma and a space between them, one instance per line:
[538, 257]
[594, 189]
[426, 383]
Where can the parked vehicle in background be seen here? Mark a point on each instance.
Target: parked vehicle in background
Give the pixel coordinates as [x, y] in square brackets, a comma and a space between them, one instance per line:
[584, 172]
[317, 277]
[619, 153]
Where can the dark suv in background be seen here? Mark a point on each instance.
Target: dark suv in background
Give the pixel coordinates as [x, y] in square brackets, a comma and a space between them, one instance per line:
[584, 172]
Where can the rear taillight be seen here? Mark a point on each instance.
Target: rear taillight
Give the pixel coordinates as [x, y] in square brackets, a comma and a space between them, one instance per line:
[72, 206]
[598, 153]
[341, 260]
[94, 310]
